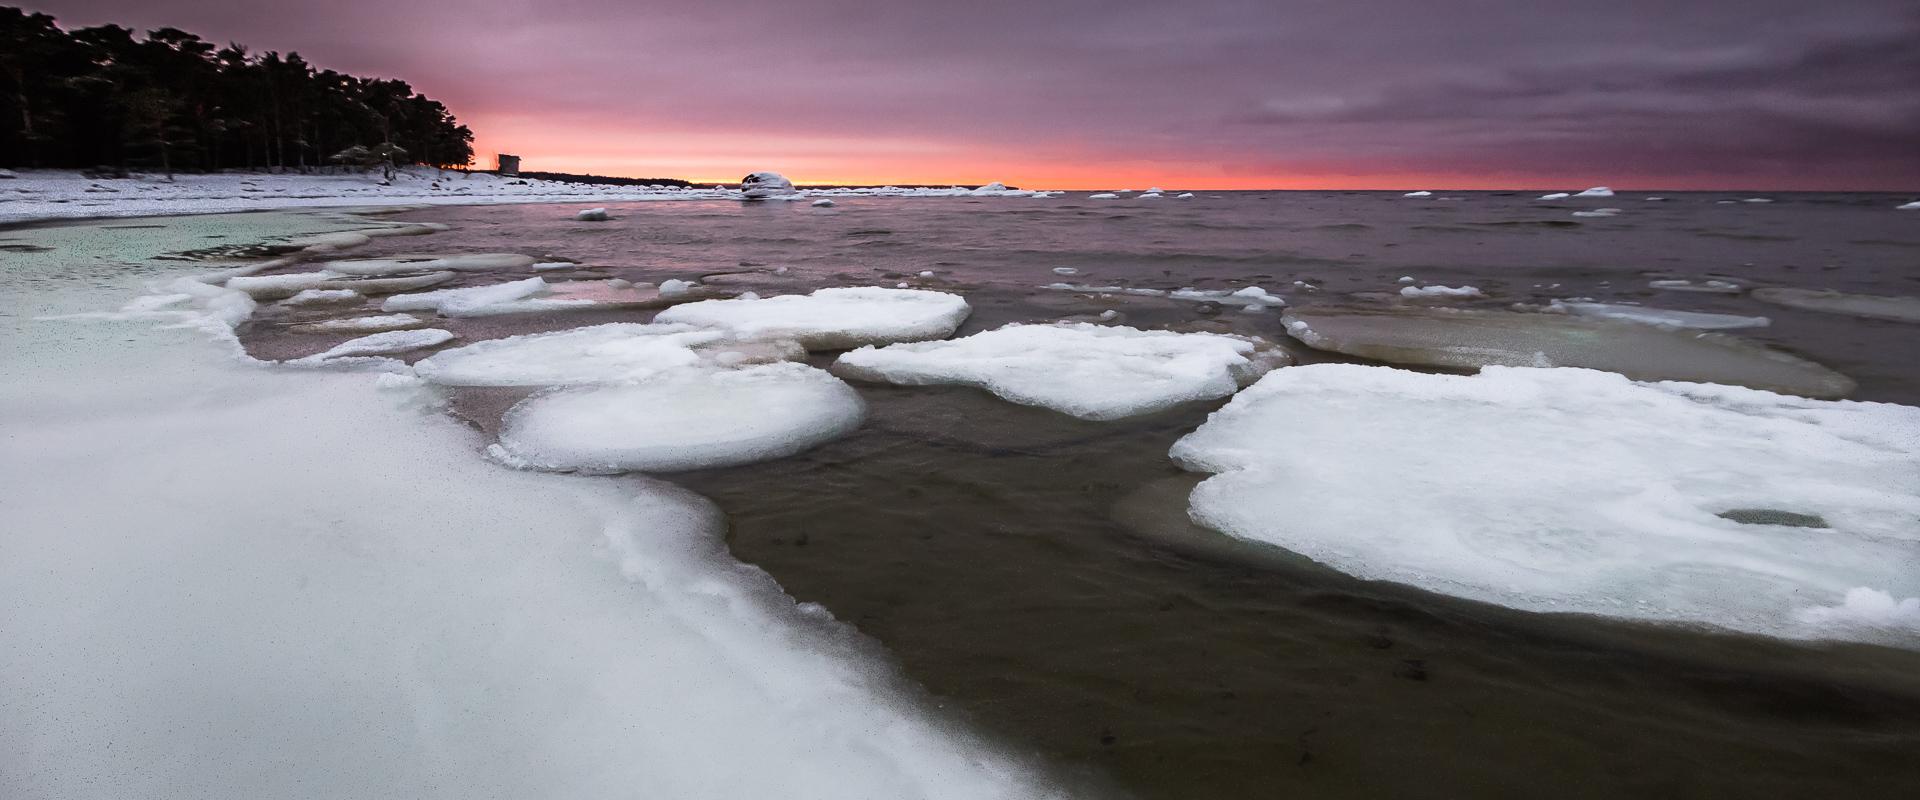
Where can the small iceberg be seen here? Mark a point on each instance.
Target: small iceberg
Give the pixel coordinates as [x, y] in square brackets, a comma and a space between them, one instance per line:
[383, 344]
[1554, 196]
[1575, 491]
[1103, 196]
[1597, 191]
[832, 319]
[592, 215]
[823, 203]
[683, 420]
[1094, 372]
[1431, 292]
[765, 185]
[1913, 206]
[1421, 193]
[1598, 212]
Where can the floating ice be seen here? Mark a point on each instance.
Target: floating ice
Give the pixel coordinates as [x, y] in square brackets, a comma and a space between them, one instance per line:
[592, 215]
[589, 295]
[389, 285]
[383, 322]
[395, 341]
[763, 185]
[1183, 195]
[1894, 308]
[1555, 196]
[1864, 612]
[621, 351]
[1598, 212]
[1708, 286]
[459, 263]
[823, 203]
[1597, 191]
[1421, 193]
[1756, 200]
[1463, 339]
[1065, 271]
[1441, 291]
[330, 241]
[1408, 279]
[274, 287]
[1660, 316]
[681, 420]
[1090, 371]
[1251, 296]
[993, 188]
[832, 319]
[1103, 196]
[315, 297]
[677, 286]
[1913, 206]
[1576, 491]
[465, 299]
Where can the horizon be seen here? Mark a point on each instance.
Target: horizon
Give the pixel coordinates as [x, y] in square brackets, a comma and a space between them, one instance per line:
[1226, 96]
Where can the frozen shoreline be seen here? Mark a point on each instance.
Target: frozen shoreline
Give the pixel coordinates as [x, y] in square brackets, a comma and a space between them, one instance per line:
[48, 195]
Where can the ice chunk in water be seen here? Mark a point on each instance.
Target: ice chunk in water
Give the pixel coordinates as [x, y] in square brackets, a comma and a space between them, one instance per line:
[384, 322]
[1711, 286]
[1895, 308]
[1570, 490]
[464, 299]
[681, 420]
[330, 241]
[592, 215]
[1421, 193]
[1464, 339]
[823, 203]
[460, 263]
[379, 344]
[1913, 206]
[833, 319]
[389, 285]
[1555, 196]
[1421, 292]
[1089, 371]
[1597, 191]
[315, 297]
[621, 351]
[274, 287]
[1103, 196]
[1660, 316]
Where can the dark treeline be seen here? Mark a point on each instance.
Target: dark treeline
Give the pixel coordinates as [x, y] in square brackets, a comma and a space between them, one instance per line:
[104, 97]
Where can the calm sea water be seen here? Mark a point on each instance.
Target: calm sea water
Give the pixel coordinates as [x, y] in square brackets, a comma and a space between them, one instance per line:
[1038, 574]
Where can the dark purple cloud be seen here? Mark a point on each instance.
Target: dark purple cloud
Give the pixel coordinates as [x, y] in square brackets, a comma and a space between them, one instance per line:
[1757, 93]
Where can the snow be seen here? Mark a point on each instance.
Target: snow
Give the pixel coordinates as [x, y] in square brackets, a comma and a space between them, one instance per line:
[1597, 191]
[1421, 193]
[1089, 371]
[225, 581]
[832, 319]
[1464, 339]
[384, 343]
[1894, 308]
[1574, 491]
[762, 185]
[1441, 291]
[463, 299]
[383, 322]
[681, 420]
[1659, 316]
[592, 215]
[1865, 612]
[1103, 196]
[612, 353]
[321, 297]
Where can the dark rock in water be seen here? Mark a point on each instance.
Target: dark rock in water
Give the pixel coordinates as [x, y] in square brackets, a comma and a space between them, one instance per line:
[1470, 339]
[1769, 516]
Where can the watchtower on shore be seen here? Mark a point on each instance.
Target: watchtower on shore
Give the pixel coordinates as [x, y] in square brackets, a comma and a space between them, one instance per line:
[506, 164]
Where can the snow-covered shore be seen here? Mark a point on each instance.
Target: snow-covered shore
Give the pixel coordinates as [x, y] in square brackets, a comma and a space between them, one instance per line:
[64, 194]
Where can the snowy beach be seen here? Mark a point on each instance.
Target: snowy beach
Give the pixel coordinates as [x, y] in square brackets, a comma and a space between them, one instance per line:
[841, 493]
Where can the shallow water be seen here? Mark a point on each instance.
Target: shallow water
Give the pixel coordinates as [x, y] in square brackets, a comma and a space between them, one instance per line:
[1037, 573]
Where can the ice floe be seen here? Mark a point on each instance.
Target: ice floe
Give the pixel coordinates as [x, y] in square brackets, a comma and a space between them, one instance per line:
[592, 215]
[1597, 191]
[388, 285]
[1090, 371]
[317, 297]
[587, 295]
[823, 203]
[1888, 307]
[1913, 206]
[275, 287]
[403, 264]
[1425, 292]
[1576, 491]
[1103, 196]
[832, 319]
[370, 324]
[1710, 286]
[1555, 196]
[612, 353]
[385, 343]
[681, 420]
[1466, 339]
[1697, 320]
[468, 298]
[329, 241]
[1598, 212]
[1421, 193]
[1183, 196]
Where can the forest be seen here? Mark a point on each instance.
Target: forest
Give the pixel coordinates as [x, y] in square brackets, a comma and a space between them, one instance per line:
[104, 98]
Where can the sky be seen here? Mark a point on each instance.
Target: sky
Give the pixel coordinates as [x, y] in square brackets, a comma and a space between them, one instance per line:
[1196, 94]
